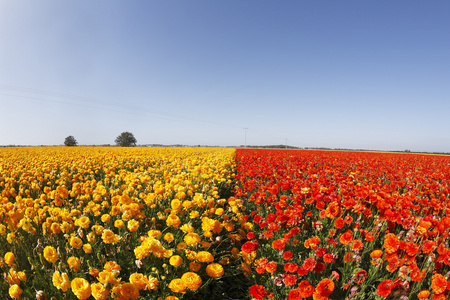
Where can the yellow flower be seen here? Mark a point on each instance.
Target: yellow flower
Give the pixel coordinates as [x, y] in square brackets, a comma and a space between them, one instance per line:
[191, 280]
[176, 260]
[133, 225]
[176, 205]
[169, 237]
[173, 220]
[192, 239]
[15, 291]
[76, 242]
[109, 237]
[50, 254]
[194, 214]
[139, 280]
[9, 258]
[154, 233]
[195, 266]
[177, 286]
[99, 291]
[205, 256]
[129, 291]
[105, 218]
[81, 288]
[152, 283]
[181, 246]
[107, 277]
[187, 228]
[22, 276]
[55, 228]
[112, 266]
[74, 263]
[119, 224]
[83, 222]
[87, 248]
[214, 270]
[61, 281]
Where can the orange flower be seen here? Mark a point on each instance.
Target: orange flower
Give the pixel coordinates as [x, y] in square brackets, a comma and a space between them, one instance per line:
[323, 289]
[332, 210]
[424, 294]
[129, 291]
[279, 244]
[438, 283]
[192, 280]
[346, 238]
[214, 270]
[391, 243]
[357, 245]
[377, 253]
[312, 242]
[295, 294]
[306, 289]
[412, 248]
[271, 266]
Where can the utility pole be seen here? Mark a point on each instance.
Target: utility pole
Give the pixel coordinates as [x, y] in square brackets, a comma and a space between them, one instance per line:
[245, 130]
[286, 143]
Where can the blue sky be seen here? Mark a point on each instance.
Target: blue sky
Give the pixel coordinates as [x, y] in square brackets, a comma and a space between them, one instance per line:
[339, 74]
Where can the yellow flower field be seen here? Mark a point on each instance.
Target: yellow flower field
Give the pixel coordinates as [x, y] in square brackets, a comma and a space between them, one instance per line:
[116, 223]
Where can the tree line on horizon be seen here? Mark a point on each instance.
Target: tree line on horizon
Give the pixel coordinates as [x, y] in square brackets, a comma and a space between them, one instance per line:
[125, 139]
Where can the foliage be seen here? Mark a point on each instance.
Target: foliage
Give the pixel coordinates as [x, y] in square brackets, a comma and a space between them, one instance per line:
[126, 139]
[70, 141]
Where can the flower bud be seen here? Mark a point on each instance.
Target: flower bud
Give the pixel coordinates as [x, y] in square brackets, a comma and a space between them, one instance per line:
[40, 295]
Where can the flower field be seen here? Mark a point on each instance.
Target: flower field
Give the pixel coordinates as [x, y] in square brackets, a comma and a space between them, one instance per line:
[346, 225]
[195, 223]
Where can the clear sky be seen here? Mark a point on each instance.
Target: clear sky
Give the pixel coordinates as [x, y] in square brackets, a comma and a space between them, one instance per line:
[339, 74]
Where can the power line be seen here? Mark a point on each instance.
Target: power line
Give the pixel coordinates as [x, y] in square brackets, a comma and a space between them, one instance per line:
[95, 104]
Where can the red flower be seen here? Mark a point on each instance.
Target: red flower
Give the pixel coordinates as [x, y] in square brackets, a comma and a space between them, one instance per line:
[385, 288]
[291, 267]
[346, 238]
[309, 264]
[391, 243]
[360, 276]
[339, 223]
[258, 291]
[321, 251]
[302, 271]
[251, 235]
[287, 255]
[320, 267]
[438, 284]
[294, 294]
[249, 247]
[290, 279]
[279, 244]
[328, 258]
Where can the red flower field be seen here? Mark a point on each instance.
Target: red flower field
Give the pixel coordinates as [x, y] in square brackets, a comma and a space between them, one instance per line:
[345, 225]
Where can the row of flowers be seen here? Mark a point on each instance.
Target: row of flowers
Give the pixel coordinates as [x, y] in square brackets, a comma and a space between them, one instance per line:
[345, 225]
[117, 223]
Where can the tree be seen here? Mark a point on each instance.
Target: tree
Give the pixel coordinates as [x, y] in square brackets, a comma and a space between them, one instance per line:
[126, 139]
[70, 141]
